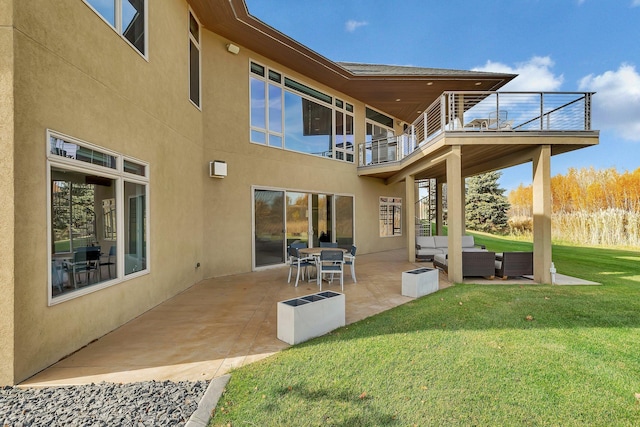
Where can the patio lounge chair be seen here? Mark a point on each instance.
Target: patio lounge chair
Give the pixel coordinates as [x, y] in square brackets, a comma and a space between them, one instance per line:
[510, 264]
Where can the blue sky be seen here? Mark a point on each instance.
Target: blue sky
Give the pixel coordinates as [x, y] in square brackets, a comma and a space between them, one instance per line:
[554, 45]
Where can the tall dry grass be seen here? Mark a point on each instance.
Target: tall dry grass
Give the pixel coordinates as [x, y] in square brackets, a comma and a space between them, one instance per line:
[609, 227]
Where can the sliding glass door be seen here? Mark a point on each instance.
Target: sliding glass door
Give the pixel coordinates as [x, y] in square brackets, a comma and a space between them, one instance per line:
[344, 221]
[269, 227]
[283, 217]
[321, 218]
[297, 217]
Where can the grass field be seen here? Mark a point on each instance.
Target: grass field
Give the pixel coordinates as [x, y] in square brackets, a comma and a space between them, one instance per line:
[490, 355]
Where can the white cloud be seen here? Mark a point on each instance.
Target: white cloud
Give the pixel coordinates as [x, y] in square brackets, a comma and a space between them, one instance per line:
[635, 3]
[352, 25]
[616, 105]
[533, 75]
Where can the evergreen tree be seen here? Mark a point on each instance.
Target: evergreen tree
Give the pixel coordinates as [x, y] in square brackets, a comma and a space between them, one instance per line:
[486, 205]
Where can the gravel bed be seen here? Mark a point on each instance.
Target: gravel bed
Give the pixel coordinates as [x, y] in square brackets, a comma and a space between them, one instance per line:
[141, 404]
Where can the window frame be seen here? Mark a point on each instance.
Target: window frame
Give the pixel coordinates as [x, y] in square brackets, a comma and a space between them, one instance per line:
[271, 78]
[120, 176]
[117, 24]
[389, 209]
[196, 43]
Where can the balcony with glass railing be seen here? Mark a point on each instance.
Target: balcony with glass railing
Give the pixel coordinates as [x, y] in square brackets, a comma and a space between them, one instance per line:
[484, 114]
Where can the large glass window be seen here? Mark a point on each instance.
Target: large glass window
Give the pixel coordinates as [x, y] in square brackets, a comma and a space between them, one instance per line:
[97, 217]
[288, 114]
[390, 216]
[307, 126]
[127, 17]
[194, 60]
[344, 132]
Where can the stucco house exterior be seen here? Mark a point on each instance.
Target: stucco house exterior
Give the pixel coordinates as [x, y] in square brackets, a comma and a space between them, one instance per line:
[148, 145]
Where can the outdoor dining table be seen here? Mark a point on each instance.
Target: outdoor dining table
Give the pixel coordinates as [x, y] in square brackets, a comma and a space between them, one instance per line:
[315, 251]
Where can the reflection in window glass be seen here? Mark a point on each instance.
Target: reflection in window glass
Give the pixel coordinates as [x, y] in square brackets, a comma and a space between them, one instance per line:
[297, 217]
[135, 168]
[258, 108]
[135, 231]
[307, 126]
[390, 216]
[275, 141]
[133, 23]
[275, 109]
[106, 9]
[344, 221]
[70, 150]
[194, 60]
[80, 228]
[258, 137]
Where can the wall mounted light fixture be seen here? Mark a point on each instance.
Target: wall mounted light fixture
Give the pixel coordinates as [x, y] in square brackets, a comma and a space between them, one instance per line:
[217, 169]
[232, 48]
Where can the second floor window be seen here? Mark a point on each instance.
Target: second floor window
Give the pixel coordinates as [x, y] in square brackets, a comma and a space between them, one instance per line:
[288, 114]
[194, 60]
[127, 17]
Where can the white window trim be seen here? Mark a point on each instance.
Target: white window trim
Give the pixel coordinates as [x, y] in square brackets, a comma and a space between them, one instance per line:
[120, 176]
[118, 26]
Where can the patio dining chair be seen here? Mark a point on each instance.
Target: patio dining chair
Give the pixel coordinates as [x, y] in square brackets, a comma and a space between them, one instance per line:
[109, 261]
[300, 263]
[85, 260]
[328, 244]
[331, 262]
[498, 121]
[350, 260]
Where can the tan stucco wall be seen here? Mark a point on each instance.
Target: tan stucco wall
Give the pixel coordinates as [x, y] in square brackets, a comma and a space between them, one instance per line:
[227, 202]
[6, 194]
[90, 84]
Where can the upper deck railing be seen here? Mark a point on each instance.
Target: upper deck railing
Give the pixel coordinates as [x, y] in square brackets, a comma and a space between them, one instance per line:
[482, 112]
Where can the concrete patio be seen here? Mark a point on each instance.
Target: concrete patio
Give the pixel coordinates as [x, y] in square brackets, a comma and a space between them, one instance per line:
[226, 322]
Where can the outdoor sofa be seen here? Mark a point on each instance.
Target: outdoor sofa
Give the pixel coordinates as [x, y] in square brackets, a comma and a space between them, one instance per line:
[474, 263]
[512, 264]
[428, 246]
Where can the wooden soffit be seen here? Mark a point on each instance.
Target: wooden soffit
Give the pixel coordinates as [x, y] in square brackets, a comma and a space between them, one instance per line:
[402, 92]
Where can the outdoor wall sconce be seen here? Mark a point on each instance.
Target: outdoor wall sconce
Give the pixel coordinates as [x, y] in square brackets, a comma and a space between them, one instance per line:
[232, 48]
[217, 169]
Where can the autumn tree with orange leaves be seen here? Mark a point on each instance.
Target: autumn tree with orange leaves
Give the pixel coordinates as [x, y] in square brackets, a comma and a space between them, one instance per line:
[599, 207]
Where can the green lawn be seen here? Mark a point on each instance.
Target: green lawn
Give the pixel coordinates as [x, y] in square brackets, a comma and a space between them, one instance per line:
[487, 355]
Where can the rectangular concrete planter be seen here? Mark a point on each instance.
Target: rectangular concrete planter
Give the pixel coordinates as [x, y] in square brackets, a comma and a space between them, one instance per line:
[419, 282]
[310, 316]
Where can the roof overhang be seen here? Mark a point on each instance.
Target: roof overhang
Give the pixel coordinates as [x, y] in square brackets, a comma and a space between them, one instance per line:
[402, 92]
